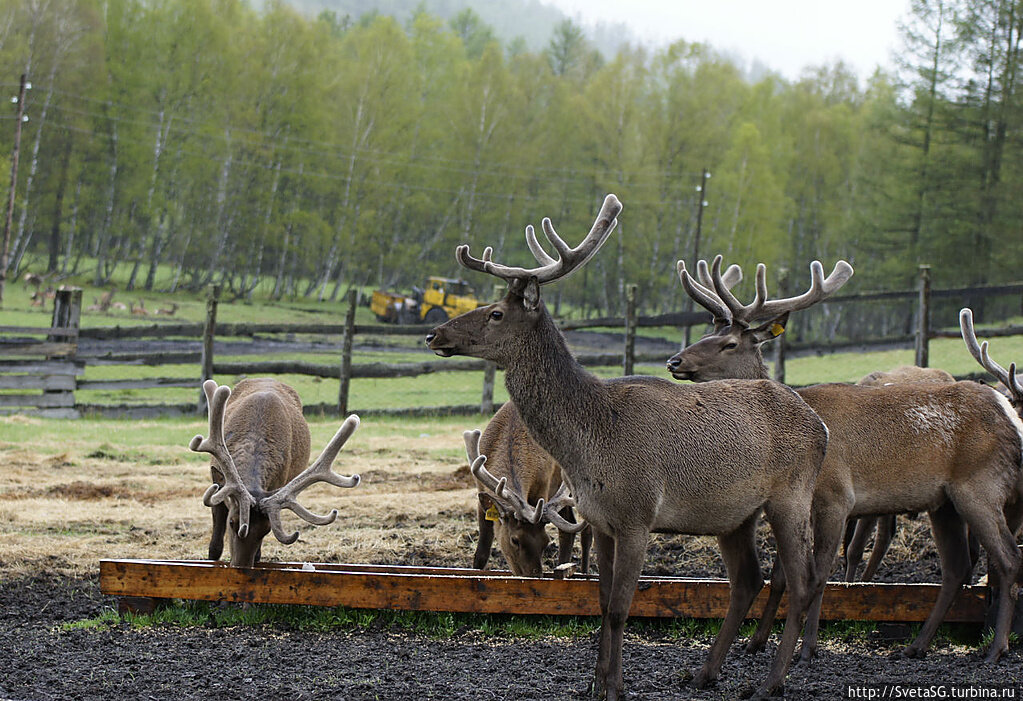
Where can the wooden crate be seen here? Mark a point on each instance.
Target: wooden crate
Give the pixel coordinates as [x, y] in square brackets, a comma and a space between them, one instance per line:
[139, 583]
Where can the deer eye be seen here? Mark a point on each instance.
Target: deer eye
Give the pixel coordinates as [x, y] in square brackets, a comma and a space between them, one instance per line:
[497, 315]
[731, 345]
[515, 541]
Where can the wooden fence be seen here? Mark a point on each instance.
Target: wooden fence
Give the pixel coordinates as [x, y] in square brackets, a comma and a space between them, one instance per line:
[53, 359]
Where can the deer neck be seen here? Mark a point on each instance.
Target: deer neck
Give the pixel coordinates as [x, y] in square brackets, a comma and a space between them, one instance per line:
[562, 405]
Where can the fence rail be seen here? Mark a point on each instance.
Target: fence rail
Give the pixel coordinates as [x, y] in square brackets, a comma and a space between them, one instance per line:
[41, 368]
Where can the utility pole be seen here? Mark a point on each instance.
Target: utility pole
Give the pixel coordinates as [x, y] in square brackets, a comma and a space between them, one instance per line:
[700, 204]
[20, 99]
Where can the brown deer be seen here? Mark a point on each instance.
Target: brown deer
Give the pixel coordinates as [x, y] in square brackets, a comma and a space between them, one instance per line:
[859, 530]
[953, 450]
[641, 454]
[139, 310]
[168, 311]
[259, 441]
[519, 493]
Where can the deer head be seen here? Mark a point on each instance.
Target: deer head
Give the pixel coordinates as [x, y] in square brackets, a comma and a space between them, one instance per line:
[272, 442]
[732, 349]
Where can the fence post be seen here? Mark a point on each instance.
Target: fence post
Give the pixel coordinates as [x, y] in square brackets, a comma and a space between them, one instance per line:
[923, 327]
[780, 342]
[67, 313]
[630, 329]
[346, 354]
[487, 403]
[209, 330]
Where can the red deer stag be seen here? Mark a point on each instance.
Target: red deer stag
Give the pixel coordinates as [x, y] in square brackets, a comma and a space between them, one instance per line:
[953, 450]
[859, 530]
[259, 441]
[519, 477]
[641, 454]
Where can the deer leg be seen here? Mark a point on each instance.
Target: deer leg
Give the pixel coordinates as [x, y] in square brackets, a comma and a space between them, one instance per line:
[566, 541]
[1003, 556]
[828, 522]
[629, 554]
[763, 631]
[790, 521]
[886, 526]
[949, 531]
[486, 540]
[739, 551]
[219, 526]
[605, 572]
[855, 546]
[585, 539]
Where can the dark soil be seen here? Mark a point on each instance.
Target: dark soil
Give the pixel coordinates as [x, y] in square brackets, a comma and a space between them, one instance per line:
[40, 661]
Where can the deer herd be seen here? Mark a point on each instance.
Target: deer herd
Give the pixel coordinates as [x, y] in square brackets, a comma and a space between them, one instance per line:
[615, 460]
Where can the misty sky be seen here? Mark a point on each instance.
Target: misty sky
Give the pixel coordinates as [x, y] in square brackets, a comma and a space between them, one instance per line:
[786, 35]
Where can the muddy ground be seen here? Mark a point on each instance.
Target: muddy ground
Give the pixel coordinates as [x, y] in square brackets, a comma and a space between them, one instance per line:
[68, 500]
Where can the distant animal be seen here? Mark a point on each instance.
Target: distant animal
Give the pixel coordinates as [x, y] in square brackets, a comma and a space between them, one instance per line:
[520, 491]
[32, 280]
[259, 441]
[139, 310]
[641, 454]
[168, 311]
[120, 306]
[106, 299]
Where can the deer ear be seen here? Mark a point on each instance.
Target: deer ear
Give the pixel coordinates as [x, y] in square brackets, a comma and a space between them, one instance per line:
[531, 295]
[772, 329]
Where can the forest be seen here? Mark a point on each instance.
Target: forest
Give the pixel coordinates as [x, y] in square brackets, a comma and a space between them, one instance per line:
[289, 154]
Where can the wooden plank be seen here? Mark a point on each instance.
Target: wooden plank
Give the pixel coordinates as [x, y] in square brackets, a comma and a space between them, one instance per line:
[37, 331]
[62, 350]
[62, 399]
[45, 382]
[148, 383]
[485, 592]
[66, 413]
[42, 367]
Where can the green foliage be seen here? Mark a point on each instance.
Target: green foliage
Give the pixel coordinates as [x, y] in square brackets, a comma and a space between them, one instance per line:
[360, 148]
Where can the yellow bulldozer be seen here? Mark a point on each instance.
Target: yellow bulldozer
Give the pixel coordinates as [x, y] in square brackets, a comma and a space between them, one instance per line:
[441, 299]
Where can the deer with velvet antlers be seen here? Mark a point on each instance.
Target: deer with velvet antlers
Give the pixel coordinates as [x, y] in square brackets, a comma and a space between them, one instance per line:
[951, 449]
[259, 442]
[641, 454]
[520, 491]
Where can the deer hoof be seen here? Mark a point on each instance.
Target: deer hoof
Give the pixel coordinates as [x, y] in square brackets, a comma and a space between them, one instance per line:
[701, 680]
[761, 693]
[755, 646]
[914, 652]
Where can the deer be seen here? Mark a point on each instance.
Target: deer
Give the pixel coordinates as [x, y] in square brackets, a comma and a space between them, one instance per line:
[139, 310]
[168, 311]
[259, 443]
[859, 530]
[519, 493]
[953, 450]
[641, 454]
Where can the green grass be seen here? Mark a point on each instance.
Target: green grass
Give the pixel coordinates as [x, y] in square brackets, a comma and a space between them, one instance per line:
[443, 625]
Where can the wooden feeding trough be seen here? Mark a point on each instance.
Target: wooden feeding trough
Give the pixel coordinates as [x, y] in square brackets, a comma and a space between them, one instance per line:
[140, 584]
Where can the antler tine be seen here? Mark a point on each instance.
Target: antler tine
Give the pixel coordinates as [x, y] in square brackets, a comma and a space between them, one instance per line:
[551, 269]
[551, 511]
[980, 352]
[700, 294]
[319, 471]
[233, 489]
[738, 312]
[510, 499]
[820, 289]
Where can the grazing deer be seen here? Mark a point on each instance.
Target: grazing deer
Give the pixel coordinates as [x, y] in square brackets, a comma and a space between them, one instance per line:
[859, 530]
[259, 441]
[953, 450]
[641, 454]
[520, 491]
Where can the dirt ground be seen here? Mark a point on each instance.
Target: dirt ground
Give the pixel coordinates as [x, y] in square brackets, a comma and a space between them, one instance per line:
[66, 504]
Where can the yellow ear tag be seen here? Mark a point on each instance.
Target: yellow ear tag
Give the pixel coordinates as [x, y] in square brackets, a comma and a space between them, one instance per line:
[777, 329]
[492, 514]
